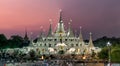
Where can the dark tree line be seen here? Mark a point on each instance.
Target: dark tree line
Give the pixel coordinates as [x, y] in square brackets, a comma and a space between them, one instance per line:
[14, 41]
[18, 41]
[101, 42]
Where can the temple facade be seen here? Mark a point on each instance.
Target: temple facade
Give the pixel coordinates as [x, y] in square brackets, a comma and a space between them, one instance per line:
[62, 41]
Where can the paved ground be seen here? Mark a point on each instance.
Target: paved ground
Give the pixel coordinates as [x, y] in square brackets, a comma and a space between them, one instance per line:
[54, 63]
[89, 64]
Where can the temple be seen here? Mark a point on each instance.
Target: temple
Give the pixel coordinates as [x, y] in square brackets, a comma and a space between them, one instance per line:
[61, 41]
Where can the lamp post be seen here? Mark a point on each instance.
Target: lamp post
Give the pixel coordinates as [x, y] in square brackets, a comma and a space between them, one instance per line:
[109, 50]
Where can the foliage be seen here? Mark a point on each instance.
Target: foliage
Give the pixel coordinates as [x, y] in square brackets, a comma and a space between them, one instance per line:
[32, 54]
[3, 41]
[104, 53]
[15, 41]
[101, 42]
[114, 53]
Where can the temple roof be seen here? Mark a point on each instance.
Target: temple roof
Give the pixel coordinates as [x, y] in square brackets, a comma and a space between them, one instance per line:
[26, 36]
[80, 36]
[91, 45]
[60, 26]
[70, 32]
[50, 30]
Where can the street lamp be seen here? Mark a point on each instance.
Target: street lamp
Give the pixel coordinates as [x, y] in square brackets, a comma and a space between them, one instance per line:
[109, 50]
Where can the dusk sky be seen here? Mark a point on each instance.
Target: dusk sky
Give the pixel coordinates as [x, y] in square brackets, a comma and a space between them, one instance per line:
[101, 17]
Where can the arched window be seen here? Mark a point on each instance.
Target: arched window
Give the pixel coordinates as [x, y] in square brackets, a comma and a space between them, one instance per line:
[76, 44]
[49, 45]
[45, 44]
[80, 44]
[65, 39]
[40, 44]
[55, 39]
[44, 39]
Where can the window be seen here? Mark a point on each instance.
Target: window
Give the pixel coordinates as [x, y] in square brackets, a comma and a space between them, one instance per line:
[76, 44]
[49, 45]
[45, 44]
[49, 39]
[71, 39]
[44, 39]
[55, 44]
[40, 44]
[65, 39]
[55, 39]
[80, 44]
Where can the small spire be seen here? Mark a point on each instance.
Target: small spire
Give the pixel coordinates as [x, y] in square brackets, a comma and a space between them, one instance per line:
[70, 32]
[60, 10]
[75, 33]
[60, 20]
[40, 36]
[70, 22]
[50, 29]
[81, 37]
[90, 33]
[31, 41]
[91, 45]
[50, 20]
[26, 36]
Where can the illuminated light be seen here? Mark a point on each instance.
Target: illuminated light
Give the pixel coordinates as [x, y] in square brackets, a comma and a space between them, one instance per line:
[90, 33]
[42, 57]
[84, 57]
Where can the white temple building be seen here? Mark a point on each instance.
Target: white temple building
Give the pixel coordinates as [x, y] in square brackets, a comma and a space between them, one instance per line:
[61, 42]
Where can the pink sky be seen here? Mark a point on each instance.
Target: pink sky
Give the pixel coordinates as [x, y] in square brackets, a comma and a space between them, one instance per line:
[100, 17]
[16, 15]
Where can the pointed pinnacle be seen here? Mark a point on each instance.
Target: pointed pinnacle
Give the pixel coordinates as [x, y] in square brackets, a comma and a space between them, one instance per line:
[90, 33]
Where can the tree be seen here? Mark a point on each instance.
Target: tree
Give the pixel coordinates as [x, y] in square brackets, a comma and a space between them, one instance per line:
[3, 41]
[32, 54]
[103, 54]
[16, 41]
[115, 55]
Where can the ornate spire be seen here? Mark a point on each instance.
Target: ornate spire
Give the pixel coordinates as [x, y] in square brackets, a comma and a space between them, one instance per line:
[60, 20]
[41, 34]
[80, 36]
[90, 41]
[31, 41]
[26, 36]
[60, 26]
[70, 32]
[50, 29]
